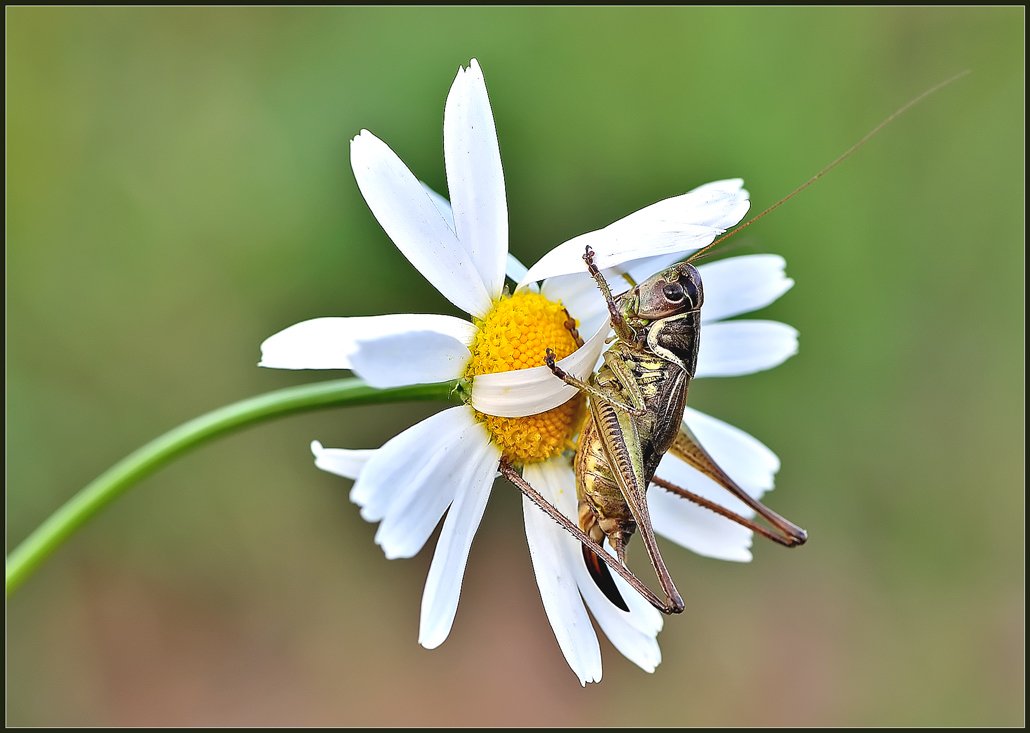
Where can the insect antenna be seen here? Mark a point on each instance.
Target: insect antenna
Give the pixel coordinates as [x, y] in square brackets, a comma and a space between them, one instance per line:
[840, 159]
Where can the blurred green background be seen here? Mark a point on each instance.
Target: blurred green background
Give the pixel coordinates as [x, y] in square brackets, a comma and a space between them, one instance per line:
[178, 189]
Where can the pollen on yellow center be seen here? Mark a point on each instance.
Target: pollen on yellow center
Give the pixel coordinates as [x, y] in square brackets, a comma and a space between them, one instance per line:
[515, 334]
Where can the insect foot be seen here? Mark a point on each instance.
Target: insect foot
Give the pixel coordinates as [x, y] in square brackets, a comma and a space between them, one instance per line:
[555, 369]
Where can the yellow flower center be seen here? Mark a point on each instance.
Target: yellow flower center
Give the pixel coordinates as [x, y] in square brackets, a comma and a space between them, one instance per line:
[515, 334]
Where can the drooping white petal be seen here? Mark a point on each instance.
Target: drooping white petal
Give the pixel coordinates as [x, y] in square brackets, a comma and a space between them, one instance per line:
[331, 343]
[411, 219]
[475, 180]
[694, 527]
[747, 461]
[681, 224]
[745, 458]
[443, 585]
[631, 633]
[555, 554]
[732, 348]
[621, 628]
[341, 461]
[395, 464]
[418, 506]
[642, 616]
[524, 392]
[738, 285]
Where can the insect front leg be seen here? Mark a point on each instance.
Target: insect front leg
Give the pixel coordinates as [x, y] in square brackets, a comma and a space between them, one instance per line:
[622, 329]
[665, 606]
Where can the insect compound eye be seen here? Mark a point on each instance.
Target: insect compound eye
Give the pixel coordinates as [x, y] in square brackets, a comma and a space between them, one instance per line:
[673, 292]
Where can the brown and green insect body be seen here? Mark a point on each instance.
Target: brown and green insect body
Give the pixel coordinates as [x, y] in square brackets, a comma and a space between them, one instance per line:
[637, 400]
[648, 369]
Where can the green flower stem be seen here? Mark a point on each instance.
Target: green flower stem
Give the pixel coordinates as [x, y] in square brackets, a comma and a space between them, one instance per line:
[60, 525]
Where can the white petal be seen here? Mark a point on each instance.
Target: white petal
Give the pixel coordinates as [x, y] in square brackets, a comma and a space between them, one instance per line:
[558, 485]
[631, 633]
[555, 554]
[578, 293]
[341, 461]
[419, 505]
[732, 348]
[681, 224]
[750, 463]
[515, 270]
[640, 270]
[443, 586]
[415, 357]
[410, 218]
[694, 527]
[738, 285]
[581, 298]
[524, 392]
[742, 456]
[642, 616]
[330, 343]
[621, 628]
[474, 177]
[442, 204]
[321, 343]
[399, 460]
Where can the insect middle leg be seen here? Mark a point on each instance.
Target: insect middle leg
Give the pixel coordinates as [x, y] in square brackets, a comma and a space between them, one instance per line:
[669, 605]
[636, 405]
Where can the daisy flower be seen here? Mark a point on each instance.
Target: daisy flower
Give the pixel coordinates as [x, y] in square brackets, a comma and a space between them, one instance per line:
[516, 409]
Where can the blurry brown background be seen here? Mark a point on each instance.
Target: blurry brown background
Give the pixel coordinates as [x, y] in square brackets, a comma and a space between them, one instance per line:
[178, 189]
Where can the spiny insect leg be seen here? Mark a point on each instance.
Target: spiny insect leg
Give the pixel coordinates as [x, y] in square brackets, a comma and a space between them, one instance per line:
[637, 408]
[687, 448]
[667, 606]
[722, 511]
[623, 331]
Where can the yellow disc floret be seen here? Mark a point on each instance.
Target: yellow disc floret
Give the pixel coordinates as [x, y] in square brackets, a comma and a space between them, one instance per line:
[515, 334]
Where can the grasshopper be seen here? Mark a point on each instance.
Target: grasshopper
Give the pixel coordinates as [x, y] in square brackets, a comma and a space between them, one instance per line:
[636, 401]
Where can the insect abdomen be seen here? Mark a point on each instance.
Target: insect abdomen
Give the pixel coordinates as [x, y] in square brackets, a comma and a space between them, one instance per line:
[597, 488]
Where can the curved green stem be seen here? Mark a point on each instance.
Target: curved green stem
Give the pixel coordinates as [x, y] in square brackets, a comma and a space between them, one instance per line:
[109, 485]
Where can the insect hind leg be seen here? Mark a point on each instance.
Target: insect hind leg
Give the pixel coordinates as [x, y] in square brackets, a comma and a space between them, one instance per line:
[787, 540]
[667, 606]
[687, 448]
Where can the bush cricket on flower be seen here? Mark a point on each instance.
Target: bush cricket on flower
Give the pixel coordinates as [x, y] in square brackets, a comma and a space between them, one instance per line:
[636, 401]
[636, 404]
